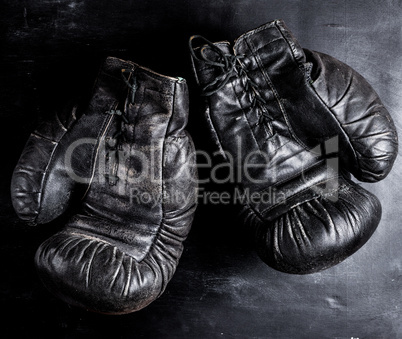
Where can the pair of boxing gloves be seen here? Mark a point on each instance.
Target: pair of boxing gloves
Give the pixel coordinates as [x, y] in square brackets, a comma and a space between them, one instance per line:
[297, 122]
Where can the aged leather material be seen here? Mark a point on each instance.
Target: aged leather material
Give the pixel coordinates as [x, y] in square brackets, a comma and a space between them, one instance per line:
[129, 162]
[295, 123]
[33, 201]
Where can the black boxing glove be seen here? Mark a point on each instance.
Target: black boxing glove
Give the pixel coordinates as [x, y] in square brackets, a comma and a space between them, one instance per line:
[298, 122]
[130, 164]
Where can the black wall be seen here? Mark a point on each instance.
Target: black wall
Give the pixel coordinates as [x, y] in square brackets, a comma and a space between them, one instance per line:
[50, 54]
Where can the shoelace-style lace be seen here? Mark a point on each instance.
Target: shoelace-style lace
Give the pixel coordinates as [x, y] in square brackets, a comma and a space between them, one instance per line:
[114, 142]
[230, 65]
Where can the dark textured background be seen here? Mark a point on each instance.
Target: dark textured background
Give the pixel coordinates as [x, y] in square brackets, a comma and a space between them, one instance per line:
[50, 53]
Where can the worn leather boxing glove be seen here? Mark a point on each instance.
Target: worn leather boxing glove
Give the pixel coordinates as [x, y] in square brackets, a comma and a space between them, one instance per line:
[130, 164]
[295, 123]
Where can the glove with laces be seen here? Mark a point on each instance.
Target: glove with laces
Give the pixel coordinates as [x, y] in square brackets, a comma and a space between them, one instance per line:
[130, 163]
[297, 123]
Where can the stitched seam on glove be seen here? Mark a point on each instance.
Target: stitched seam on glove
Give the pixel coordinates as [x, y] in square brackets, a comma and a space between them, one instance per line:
[46, 175]
[213, 129]
[301, 67]
[102, 132]
[245, 114]
[269, 25]
[314, 195]
[274, 91]
[285, 180]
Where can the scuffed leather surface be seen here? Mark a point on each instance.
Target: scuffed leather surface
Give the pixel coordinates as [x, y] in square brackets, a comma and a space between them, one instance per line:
[29, 179]
[42, 186]
[364, 118]
[117, 253]
[317, 234]
[311, 98]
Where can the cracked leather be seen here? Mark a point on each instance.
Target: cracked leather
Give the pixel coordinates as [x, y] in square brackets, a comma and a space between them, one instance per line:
[317, 121]
[129, 161]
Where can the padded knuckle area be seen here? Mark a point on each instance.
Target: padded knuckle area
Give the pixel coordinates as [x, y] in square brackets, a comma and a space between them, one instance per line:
[95, 275]
[319, 233]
